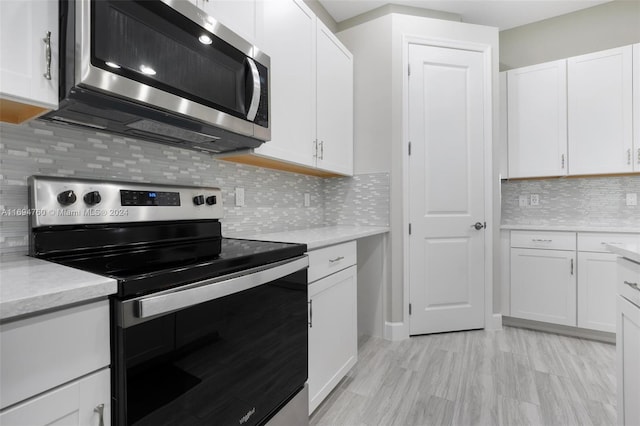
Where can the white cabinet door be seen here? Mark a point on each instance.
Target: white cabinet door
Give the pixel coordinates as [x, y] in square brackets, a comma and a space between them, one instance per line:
[543, 285]
[600, 112]
[237, 15]
[537, 111]
[596, 294]
[636, 106]
[628, 367]
[23, 54]
[333, 334]
[79, 403]
[334, 103]
[287, 33]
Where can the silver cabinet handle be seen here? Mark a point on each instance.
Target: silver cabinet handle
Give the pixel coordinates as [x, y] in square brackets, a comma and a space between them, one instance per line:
[322, 150]
[311, 313]
[538, 240]
[638, 155]
[632, 285]
[257, 89]
[571, 266]
[337, 259]
[315, 148]
[629, 156]
[100, 410]
[563, 161]
[47, 55]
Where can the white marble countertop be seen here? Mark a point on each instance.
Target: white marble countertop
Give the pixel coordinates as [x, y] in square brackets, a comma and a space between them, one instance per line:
[29, 285]
[569, 228]
[629, 251]
[318, 237]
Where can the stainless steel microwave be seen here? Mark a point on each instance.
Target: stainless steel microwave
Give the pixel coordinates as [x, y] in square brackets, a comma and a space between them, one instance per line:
[161, 70]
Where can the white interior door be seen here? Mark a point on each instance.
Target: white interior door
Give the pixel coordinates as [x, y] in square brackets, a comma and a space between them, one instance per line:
[446, 184]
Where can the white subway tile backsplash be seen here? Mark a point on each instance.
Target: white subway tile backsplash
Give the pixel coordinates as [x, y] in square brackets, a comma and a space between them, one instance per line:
[590, 201]
[273, 199]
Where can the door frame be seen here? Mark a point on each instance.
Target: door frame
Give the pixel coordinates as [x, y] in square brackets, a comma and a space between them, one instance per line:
[491, 320]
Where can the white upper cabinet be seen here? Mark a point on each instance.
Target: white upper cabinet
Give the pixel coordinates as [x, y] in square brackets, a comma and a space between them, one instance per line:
[537, 120]
[503, 138]
[287, 33]
[238, 15]
[334, 89]
[600, 112]
[636, 106]
[28, 56]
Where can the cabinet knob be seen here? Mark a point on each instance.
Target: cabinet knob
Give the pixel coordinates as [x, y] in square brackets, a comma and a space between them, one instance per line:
[100, 410]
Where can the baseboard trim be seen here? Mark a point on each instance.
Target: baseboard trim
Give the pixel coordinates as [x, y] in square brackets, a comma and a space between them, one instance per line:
[582, 333]
[495, 322]
[395, 331]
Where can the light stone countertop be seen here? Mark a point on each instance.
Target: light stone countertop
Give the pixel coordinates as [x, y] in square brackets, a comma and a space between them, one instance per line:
[29, 285]
[629, 251]
[570, 228]
[318, 237]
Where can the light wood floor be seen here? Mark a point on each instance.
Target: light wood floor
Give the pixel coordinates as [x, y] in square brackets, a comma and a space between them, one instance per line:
[508, 377]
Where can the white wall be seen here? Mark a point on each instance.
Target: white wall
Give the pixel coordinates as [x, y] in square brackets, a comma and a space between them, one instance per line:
[601, 27]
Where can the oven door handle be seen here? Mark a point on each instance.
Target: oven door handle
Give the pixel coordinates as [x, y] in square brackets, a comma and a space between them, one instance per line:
[180, 299]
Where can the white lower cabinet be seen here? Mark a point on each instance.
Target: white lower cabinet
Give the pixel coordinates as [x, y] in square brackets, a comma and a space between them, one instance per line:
[543, 285]
[628, 343]
[596, 295]
[54, 368]
[333, 328]
[84, 402]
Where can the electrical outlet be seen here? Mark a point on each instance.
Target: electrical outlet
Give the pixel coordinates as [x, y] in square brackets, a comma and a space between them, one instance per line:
[632, 199]
[239, 197]
[307, 199]
[523, 201]
[535, 199]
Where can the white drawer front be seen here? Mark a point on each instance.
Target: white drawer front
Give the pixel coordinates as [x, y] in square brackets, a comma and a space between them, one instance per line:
[629, 280]
[327, 260]
[48, 350]
[596, 241]
[544, 240]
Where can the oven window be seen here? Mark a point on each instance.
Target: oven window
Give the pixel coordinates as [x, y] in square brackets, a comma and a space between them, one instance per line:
[151, 43]
[232, 360]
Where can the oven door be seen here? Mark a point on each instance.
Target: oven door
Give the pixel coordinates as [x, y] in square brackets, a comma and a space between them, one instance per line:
[228, 351]
[170, 54]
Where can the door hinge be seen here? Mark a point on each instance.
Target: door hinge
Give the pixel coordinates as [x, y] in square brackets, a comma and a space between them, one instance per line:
[409, 147]
[409, 308]
[409, 69]
[485, 226]
[409, 229]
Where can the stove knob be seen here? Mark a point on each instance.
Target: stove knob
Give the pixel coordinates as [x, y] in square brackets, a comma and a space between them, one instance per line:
[211, 200]
[66, 198]
[198, 200]
[92, 198]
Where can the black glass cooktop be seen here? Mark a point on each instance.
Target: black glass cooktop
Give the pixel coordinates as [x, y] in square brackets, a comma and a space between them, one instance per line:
[148, 269]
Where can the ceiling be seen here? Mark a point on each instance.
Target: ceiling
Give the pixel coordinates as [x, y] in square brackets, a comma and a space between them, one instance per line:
[503, 14]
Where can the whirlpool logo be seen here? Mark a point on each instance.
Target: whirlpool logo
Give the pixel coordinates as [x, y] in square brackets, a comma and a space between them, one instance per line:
[247, 416]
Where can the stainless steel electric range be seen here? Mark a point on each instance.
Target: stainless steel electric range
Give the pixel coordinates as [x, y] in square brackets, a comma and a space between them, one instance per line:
[205, 330]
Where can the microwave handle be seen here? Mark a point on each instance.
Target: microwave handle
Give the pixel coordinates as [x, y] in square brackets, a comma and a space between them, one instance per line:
[257, 90]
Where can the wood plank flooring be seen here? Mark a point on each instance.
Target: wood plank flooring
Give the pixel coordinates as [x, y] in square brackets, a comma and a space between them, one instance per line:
[509, 377]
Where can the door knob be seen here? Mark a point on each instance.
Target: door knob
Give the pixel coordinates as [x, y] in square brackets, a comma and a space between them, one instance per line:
[478, 225]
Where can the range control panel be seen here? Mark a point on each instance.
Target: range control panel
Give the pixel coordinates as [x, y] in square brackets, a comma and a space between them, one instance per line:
[64, 201]
[149, 198]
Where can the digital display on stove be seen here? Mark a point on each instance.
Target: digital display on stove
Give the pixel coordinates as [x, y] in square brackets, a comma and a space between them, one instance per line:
[149, 198]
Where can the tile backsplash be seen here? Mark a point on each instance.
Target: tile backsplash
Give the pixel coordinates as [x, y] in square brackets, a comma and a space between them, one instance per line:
[273, 199]
[591, 201]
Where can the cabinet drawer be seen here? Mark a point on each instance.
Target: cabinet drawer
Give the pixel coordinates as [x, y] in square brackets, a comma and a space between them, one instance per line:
[629, 280]
[544, 240]
[48, 350]
[596, 242]
[327, 260]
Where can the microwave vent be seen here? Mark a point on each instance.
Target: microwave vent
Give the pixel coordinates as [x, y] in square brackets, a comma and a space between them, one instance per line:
[171, 132]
